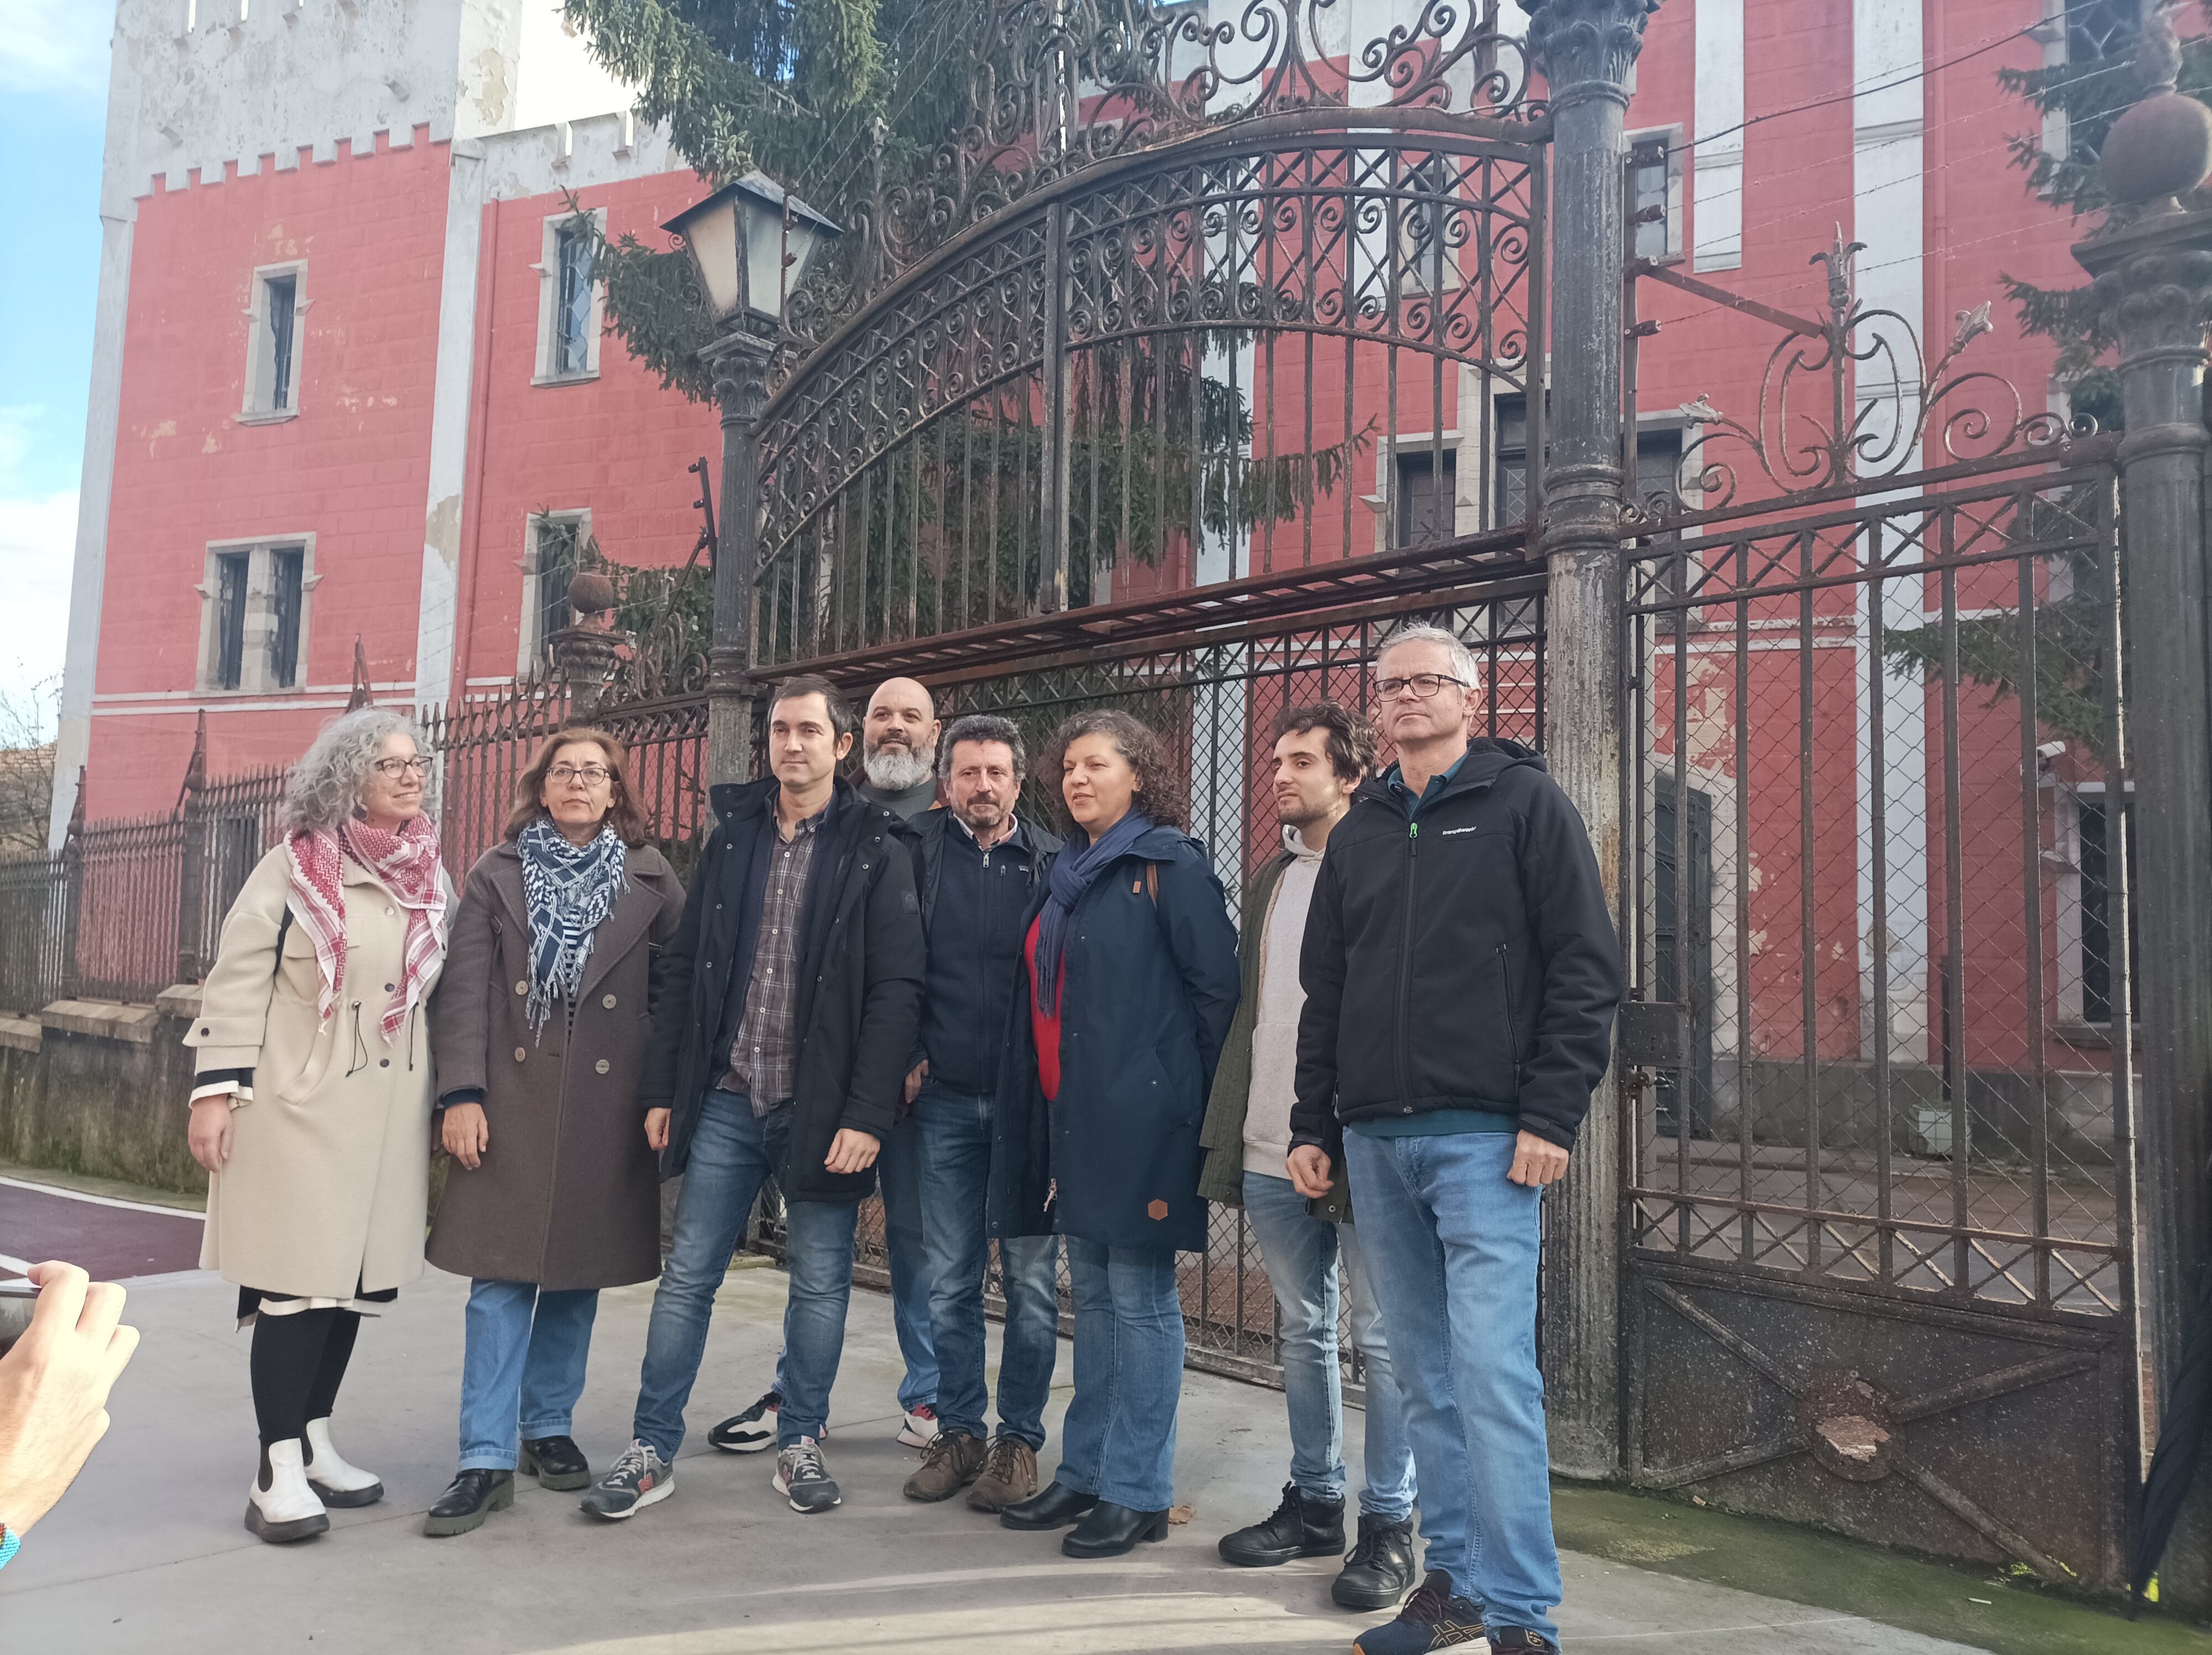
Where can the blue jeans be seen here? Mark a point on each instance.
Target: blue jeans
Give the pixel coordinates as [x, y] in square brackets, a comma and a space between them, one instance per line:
[898, 1171]
[731, 1153]
[1451, 1251]
[1300, 1252]
[522, 1367]
[1118, 1439]
[955, 1163]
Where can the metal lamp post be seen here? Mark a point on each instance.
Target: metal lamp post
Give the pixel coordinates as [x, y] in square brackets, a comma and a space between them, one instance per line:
[749, 244]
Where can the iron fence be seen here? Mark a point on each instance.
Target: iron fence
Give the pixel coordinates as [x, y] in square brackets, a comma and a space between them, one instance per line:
[35, 919]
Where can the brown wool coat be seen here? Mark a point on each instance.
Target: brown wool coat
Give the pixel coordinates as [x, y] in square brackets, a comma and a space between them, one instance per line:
[568, 1195]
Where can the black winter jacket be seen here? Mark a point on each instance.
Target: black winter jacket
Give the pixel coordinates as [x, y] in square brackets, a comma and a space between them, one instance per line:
[963, 1013]
[1461, 955]
[859, 985]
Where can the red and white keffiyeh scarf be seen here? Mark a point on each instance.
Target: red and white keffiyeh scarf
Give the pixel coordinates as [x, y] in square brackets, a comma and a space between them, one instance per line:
[408, 863]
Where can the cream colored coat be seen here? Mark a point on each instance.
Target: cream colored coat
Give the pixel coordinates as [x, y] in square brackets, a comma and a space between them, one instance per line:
[328, 1182]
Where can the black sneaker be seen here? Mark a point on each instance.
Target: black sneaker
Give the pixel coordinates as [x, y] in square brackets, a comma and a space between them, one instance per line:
[1519, 1640]
[1302, 1526]
[1432, 1619]
[639, 1479]
[803, 1480]
[750, 1432]
[1380, 1569]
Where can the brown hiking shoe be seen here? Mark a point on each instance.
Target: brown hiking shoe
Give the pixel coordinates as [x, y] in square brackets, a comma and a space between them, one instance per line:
[1009, 1475]
[948, 1465]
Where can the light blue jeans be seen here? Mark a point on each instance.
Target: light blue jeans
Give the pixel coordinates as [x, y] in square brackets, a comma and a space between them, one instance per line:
[898, 1171]
[522, 1367]
[1451, 1251]
[731, 1153]
[956, 1184]
[1118, 1439]
[1300, 1252]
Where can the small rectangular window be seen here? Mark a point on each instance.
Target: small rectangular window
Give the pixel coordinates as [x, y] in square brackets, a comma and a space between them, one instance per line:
[286, 564]
[1648, 165]
[572, 316]
[230, 575]
[1512, 460]
[1430, 235]
[1426, 496]
[282, 297]
[2096, 865]
[557, 567]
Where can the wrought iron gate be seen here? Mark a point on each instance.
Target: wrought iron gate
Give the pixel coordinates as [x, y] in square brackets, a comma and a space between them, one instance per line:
[1878, 1204]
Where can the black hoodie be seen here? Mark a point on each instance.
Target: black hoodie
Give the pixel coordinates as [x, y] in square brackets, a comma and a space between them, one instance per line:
[1459, 954]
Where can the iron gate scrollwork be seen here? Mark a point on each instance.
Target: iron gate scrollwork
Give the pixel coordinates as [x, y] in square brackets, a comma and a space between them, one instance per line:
[1878, 1212]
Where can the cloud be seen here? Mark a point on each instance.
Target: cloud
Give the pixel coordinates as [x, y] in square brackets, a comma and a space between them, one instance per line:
[38, 548]
[55, 47]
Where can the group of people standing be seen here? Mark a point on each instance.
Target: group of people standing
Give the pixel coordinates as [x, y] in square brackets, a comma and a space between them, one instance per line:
[901, 981]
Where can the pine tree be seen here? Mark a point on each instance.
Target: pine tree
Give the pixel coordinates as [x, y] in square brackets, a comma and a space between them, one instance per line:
[2079, 98]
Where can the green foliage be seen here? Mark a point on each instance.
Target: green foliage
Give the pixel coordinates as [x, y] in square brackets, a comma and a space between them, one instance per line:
[2087, 92]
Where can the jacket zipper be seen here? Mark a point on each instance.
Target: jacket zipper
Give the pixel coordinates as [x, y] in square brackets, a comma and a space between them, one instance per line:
[1406, 958]
[1512, 1026]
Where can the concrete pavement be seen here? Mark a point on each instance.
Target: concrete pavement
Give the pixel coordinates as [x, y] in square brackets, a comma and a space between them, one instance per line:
[147, 1552]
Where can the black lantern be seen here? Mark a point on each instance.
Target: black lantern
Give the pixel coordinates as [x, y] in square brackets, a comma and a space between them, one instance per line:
[750, 242]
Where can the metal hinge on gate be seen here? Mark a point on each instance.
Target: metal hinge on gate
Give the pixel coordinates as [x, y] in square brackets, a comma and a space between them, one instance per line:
[1652, 1034]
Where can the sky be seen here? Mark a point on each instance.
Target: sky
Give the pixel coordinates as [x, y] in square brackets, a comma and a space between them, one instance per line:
[53, 117]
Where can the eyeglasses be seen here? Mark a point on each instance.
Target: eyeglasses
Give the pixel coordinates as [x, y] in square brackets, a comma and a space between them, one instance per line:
[1422, 686]
[591, 775]
[392, 769]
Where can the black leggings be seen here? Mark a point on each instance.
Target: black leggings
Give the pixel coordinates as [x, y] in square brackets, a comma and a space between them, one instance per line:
[299, 1361]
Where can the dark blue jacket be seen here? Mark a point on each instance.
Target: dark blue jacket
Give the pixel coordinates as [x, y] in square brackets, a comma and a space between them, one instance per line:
[963, 1017]
[859, 984]
[1147, 992]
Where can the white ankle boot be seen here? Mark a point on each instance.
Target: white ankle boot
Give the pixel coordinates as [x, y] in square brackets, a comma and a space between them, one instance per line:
[338, 1483]
[280, 1507]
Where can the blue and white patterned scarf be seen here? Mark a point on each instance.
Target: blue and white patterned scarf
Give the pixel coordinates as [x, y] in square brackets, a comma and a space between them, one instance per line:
[568, 890]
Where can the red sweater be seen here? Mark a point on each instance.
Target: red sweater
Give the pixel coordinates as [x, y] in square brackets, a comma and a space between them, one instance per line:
[1044, 1026]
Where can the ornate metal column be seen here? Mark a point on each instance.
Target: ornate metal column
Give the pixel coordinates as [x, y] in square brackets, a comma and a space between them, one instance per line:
[2153, 290]
[739, 363]
[1587, 50]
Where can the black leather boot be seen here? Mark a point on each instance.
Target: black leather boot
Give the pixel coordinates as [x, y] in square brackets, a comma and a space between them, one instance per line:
[556, 1462]
[1302, 1526]
[1111, 1530]
[1380, 1570]
[471, 1497]
[1051, 1508]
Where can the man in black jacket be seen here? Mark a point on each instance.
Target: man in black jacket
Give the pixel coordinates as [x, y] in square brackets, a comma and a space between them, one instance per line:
[1461, 970]
[781, 1034]
[980, 865]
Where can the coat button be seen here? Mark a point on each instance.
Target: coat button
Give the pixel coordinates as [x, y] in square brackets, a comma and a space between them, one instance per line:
[389, 987]
[520, 1054]
[609, 1003]
[603, 1066]
[522, 986]
[383, 1062]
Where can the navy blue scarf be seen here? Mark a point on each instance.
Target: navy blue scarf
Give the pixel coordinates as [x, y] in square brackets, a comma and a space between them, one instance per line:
[568, 890]
[1073, 873]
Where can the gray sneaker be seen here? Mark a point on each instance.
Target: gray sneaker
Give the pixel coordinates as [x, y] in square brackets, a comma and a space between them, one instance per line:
[803, 1480]
[639, 1479]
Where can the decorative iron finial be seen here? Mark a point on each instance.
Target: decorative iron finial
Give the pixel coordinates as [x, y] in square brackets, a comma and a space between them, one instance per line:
[362, 694]
[2160, 147]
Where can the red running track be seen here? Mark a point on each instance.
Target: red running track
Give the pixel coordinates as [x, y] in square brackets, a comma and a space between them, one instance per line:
[113, 1241]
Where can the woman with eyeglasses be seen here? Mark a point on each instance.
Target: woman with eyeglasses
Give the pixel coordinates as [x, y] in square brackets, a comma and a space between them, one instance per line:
[312, 1108]
[540, 1031]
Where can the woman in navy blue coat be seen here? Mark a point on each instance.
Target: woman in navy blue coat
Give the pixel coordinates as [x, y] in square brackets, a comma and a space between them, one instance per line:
[1128, 984]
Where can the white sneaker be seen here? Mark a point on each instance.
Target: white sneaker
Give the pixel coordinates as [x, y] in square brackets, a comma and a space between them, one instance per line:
[280, 1507]
[919, 1428]
[338, 1483]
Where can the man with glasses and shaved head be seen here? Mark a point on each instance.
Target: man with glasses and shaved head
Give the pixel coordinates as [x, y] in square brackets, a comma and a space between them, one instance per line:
[1461, 971]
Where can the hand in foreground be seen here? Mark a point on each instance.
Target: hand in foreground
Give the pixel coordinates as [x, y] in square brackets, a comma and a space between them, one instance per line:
[1537, 1161]
[468, 1135]
[915, 1078]
[211, 1132]
[53, 1388]
[656, 1129]
[851, 1152]
[1309, 1168]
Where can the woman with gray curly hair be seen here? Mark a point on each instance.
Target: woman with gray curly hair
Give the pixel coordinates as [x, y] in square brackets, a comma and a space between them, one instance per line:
[312, 1109]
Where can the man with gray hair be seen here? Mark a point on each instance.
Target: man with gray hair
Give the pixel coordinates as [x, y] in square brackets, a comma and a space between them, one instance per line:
[1461, 971]
[898, 748]
[980, 865]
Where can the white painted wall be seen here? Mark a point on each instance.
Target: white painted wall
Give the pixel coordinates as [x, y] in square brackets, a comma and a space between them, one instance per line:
[556, 79]
[1716, 162]
[1886, 156]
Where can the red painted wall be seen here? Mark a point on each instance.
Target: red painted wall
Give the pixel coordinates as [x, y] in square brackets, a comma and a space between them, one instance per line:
[352, 468]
